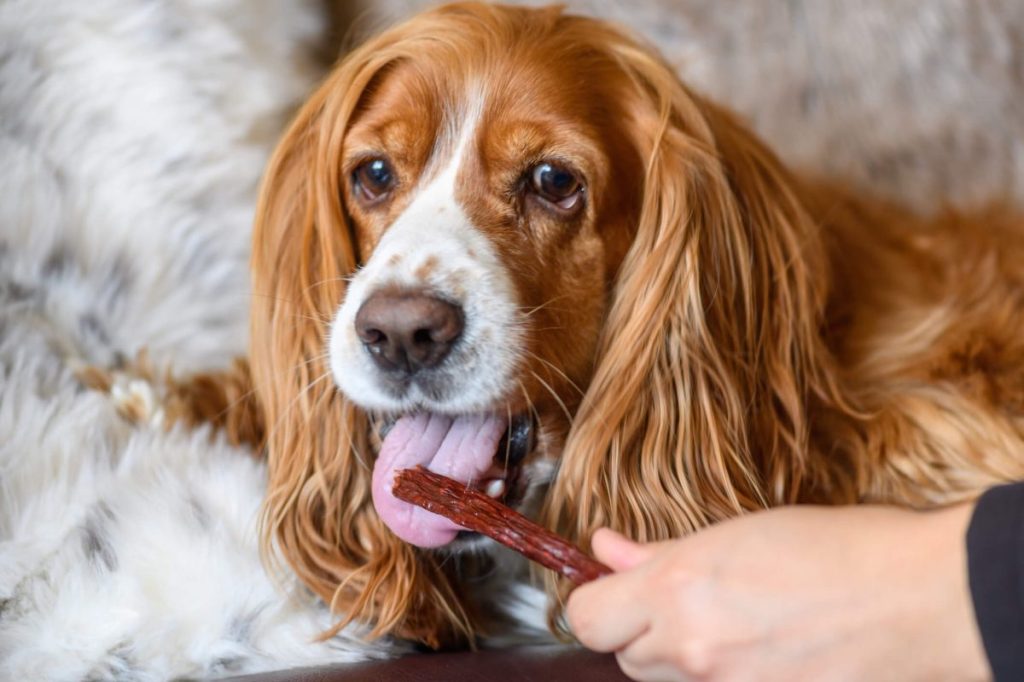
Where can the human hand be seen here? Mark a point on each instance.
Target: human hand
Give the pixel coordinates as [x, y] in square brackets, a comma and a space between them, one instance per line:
[799, 593]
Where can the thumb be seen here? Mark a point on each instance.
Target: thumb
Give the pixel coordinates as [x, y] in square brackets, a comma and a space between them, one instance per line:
[619, 552]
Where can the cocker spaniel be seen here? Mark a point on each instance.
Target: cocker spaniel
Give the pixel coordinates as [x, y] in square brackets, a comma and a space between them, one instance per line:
[510, 245]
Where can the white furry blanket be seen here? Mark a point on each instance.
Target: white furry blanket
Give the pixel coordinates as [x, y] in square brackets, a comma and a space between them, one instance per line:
[132, 136]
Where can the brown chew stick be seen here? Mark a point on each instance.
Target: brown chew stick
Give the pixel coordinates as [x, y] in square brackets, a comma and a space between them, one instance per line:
[475, 511]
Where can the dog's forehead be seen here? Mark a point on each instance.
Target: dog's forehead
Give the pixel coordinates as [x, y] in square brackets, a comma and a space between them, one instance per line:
[419, 107]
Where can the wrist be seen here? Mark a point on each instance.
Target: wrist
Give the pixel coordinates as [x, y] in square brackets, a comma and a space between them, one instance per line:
[958, 632]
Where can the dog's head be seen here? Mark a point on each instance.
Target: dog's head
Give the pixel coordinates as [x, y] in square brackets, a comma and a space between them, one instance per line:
[501, 242]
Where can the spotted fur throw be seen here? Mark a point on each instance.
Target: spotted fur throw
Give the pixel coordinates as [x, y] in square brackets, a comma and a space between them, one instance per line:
[132, 138]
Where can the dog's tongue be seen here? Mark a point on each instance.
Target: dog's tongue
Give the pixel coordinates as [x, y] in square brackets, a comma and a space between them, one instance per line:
[458, 447]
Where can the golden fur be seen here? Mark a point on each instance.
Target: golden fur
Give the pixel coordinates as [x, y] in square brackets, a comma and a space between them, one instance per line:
[764, 340]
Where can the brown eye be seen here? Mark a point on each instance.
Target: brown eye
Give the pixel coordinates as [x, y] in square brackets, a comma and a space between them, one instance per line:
[373, 179]
[558, 186]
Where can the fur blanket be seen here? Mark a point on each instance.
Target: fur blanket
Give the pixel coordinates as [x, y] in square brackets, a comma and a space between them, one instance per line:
[132, 137]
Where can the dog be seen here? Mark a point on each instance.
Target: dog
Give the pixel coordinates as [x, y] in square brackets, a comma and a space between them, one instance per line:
[510, 245]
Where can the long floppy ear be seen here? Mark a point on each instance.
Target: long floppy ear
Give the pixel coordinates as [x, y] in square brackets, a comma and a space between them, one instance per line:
[711, 357]
[318, 513]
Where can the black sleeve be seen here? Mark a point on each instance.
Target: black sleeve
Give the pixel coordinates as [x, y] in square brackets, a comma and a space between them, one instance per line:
[995, 564]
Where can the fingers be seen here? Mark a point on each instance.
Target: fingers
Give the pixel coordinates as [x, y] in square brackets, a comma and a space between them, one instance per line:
[655, 672]
[607, 614]
[614, 612]
[619, 552]
[652, 657]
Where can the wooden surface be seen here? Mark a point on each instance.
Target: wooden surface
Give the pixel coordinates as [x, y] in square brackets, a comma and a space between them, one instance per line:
[532, 664]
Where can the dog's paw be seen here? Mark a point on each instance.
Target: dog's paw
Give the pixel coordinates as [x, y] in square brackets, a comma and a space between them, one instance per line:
[133, 388]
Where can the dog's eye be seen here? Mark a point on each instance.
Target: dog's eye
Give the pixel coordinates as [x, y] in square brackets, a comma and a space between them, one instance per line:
[557, 186]
[373, 179]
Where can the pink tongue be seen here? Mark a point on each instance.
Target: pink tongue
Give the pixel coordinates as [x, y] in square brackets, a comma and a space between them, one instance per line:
[459, 447]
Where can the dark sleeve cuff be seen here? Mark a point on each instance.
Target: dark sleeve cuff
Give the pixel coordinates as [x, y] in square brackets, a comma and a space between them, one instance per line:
[995, 564]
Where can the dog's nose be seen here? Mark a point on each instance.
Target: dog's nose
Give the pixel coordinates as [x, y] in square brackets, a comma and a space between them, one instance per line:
[408, 331]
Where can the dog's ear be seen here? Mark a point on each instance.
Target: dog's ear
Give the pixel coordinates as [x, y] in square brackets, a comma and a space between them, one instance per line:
[711, 350]
[318, 515]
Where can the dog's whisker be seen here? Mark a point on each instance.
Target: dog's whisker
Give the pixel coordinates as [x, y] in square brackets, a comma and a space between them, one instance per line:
[294, 401]
[557, 370]
[356, 452]
[531, 311]
[324, 282]
[326, 319]
[554, 394]
[529, 403]
[545, 329]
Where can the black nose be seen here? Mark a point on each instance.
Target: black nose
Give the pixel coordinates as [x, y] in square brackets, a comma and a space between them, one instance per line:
[408, 331]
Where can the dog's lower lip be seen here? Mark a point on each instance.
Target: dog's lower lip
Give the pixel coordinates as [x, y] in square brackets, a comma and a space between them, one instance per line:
[516, 443]
[386, 426]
